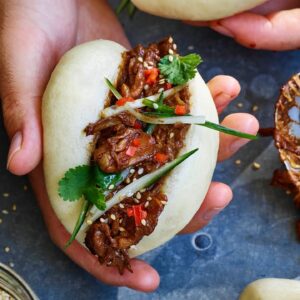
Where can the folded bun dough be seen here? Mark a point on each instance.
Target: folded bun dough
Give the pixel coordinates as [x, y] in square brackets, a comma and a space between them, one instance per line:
[74, 97]
[195, 10]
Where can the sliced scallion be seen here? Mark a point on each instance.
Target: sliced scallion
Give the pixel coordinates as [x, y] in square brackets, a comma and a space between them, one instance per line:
[113, 89]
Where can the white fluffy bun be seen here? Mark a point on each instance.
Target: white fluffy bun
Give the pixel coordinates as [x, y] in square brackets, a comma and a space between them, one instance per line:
[195, 10]
[74, 98]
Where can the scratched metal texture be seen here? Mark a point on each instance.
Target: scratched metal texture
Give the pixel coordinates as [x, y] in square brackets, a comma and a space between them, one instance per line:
[253, 238]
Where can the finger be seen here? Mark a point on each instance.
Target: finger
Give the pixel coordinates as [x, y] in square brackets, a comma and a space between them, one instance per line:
[275, 5]
[276, 31]
[230, 144]
[144, 277]
[217, 198]
[223, 90]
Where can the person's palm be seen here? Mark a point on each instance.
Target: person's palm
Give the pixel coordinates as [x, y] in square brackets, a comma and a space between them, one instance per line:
[32, 40]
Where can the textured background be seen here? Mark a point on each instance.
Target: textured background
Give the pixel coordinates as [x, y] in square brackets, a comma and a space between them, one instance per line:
[253, 238]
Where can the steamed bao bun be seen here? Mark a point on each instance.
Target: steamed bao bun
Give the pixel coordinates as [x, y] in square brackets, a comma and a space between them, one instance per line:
[195, 10]
[75, 96]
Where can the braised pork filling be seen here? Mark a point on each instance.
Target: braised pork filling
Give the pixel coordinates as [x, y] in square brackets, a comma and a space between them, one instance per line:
[124, 143]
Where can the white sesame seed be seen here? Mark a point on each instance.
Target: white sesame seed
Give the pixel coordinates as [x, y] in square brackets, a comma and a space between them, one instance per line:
[121, 229]
[172, 134]
[160, 91]
[150, 63]
[170, 40]
[132, 171]
[113, 217]
[288, 192]
[6, 249]
[255, 108]
[171, 51]
[25, 187]
[121, 205]
[5, 212]
[5, 195]
[155, 105]
[174, 46]
[147, 204]
[161, 76]
[134, 179]
[256, 166]
[138, 195]
[143, 222]
[149, 198]
[102, 220]
[171, 58]
[121, 220]
[145, 64]
[140, 59]
[146, 87]
[149, 68]
[11, 264]
[89, 222]
[111, 187]
[143, 190]
[127, 180]
[191, 47]
[1, 221]
[140, 171]
[136, 200]
[162, 81]
[163, 202]
[240, 105]
[238, 162]
[14, 207]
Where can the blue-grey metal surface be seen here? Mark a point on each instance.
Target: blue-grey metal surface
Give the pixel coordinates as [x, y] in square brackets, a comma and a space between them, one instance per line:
[253, 238]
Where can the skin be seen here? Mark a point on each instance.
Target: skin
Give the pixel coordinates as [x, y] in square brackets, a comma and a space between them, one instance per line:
[34, 35]
[271, 26]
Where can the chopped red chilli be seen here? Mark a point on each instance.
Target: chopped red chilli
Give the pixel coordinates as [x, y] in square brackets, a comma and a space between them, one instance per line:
[131, 151]
[124, 100]
[138, 213]
[180, 110]
[151, 75]
[161, 157]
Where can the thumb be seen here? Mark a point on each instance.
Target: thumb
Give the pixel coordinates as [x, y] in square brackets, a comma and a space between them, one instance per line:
[276, 31]
[24, 71]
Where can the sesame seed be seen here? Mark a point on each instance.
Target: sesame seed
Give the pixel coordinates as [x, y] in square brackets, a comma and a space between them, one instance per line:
[146, 87]
[149, 198]
[111, 186]
[191, 47]
[89, 222]
[171, 58]
[5, 195]
[170, 40]
[143, 190]
[256, 166]
[133, 247]
[136, 200]
[132, 171]
[14, 207]
[150, 63]
[121, 205]
[255, 108]
[6, 249]
[140, 59]
[134, 179]
[5, 212]
[11, 264]
[121, 229]
[102, 220]
[161, 76]
[171, 51]
[127, 180]
[172, 135]
[162, 81]
[147, 204]
[25, 187]
[174, 46]
[155, 105]
[121, 220]
[140, 171]
[1, 221]
[163, 202]
[160, 91]
[149, 68]
[238, 162]
[240, 105]
[288, 192]
[138, 195]
[113, 217]
[143, 222]
[145, 64]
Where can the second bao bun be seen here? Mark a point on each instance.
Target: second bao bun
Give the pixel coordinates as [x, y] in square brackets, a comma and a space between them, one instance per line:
[195, 10]
[75, 96]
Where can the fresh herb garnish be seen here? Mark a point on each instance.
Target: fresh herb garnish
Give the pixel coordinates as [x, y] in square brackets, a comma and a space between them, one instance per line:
[112, 88]
[131, 9]
[179, 69]
[87, 182]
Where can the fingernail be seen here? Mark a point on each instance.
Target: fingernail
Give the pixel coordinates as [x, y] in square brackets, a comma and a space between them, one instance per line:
[217, 26]
[15, 146]
[235, 146]
[222, 99]
[208, 215]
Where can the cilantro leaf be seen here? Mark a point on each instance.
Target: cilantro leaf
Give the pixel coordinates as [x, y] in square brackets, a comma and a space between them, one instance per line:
[104, 180]
[179, 69]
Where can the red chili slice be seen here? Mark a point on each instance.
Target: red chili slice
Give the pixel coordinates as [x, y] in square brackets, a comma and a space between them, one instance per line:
[151, 75]
[180, 110]
[131, 151]
[137, 125]
[136, 142]
[168, 86]
[124, 100]
[161, 157]
[138, 213]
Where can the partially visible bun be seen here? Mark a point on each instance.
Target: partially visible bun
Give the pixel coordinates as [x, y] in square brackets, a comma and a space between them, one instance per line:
[195, 10]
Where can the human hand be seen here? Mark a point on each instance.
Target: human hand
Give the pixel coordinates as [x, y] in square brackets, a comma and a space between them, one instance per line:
[271, 26]
[144, 278]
